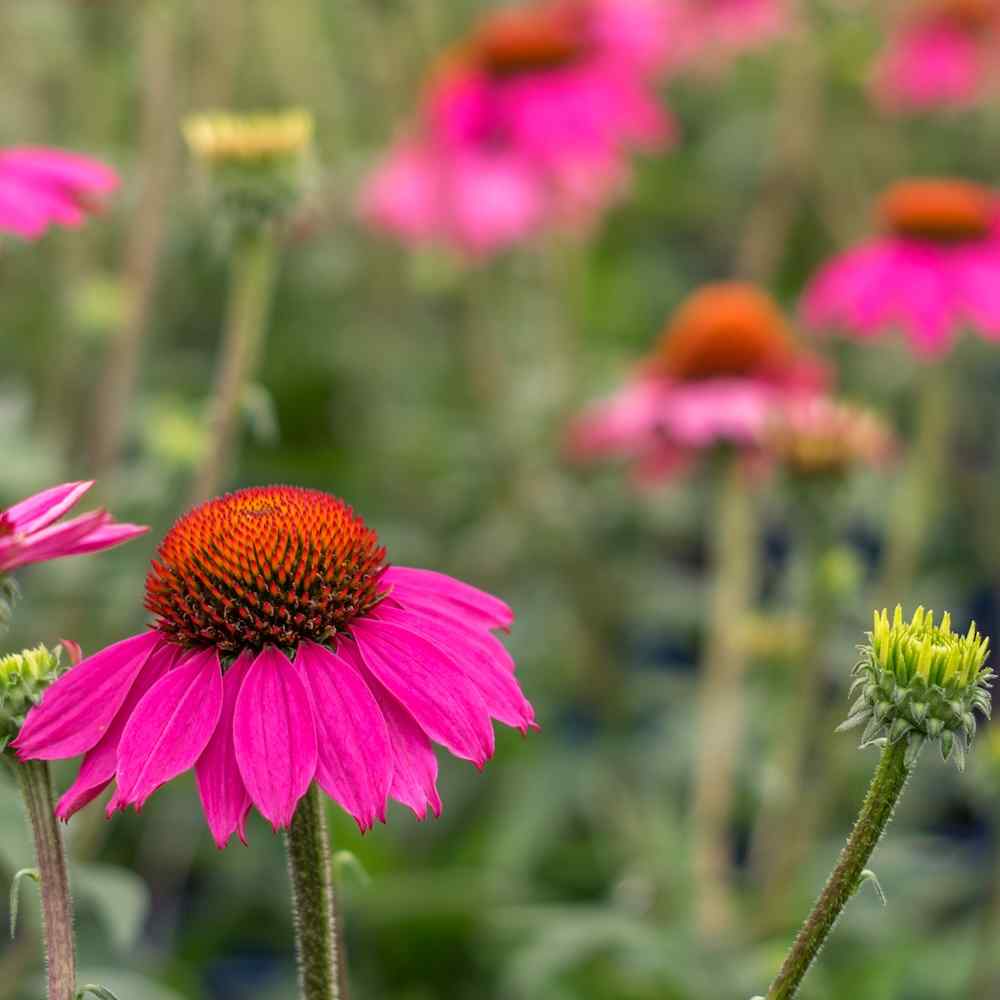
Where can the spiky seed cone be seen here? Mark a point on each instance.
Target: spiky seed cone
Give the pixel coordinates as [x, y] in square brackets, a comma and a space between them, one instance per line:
[917, 681]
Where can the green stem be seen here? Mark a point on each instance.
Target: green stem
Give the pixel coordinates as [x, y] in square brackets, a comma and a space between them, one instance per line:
[915, 503]
[883, 794]
[322, 974]
[721, 704]
[253, 268]
[57, 903]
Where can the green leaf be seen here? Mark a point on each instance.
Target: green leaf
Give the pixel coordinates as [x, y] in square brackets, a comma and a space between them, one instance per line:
[120, 898]
[15, 897]
[347, 863]
[869, 876]
[101, 992]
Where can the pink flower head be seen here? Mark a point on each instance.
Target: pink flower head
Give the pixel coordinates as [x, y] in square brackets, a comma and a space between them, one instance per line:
[40, 187]
[284, 650]
[944, 54]
[527, 124]
[31, 532]
[725, 363]
[935, 269]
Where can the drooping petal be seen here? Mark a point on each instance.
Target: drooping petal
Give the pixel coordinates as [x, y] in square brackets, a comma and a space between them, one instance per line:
[471, 601]
[76, 711]
[169, 729]
[56, 540]
[275, 736]
[355, 758]
[43, 508]
[440, 697]
[414, 765]
[490, 674]
[101, 762]
[224, 798]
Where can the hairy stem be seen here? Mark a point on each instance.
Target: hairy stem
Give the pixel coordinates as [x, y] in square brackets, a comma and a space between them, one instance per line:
[721, 705]
[57, 904]
[322, 974]
[251, 280]
[883, 794]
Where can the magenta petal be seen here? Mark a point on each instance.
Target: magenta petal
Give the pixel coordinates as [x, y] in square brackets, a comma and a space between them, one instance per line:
[170, 728]
[446, 704]
[43, 508]
[224, 797]
[355, 758]
[490, 610]
[414, 766]
[101, 762]
[490, 673]
[77, 710]
[275, 736]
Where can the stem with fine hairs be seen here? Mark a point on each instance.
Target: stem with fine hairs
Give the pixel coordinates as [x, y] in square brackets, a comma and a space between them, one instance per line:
[252, 270]
[158, 139]
[318, 933]
[721, 698]
[57, 903]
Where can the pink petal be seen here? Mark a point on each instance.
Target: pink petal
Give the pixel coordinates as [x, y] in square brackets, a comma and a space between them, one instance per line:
[446, 703]
[355, 758]
[490, 674]
[275, 736]
[224, 797]
[471, 601]
[170, 728]
[414, 766]
[77, 710]
[43, 508]
[101, 762]
[107, 536]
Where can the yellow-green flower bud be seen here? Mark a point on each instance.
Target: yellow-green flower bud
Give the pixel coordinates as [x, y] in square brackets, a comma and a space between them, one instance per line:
[254, 160]
[921, 681]
[24, 677]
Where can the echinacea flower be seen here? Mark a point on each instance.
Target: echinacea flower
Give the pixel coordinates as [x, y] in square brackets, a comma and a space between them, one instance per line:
[526, 124]
[725, 363]
[943, 54]
[31, 531]
[933, 271]
[40, 187]
[284, 650]
[826, 437]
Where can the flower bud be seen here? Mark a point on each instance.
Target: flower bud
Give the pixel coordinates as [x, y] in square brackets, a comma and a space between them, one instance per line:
[254, 161]
[920, 681]
[24, 677]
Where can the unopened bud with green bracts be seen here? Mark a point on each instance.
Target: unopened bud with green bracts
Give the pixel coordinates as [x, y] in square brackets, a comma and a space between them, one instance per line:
[917, 681]
[24, 677]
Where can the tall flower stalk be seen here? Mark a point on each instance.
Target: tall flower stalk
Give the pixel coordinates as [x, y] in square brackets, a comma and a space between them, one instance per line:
[254, 163]
[318, 938]
[720, 701]
[919, 682]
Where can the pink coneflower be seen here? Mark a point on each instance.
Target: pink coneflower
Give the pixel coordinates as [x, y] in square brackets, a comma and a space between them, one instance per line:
[934, 271]
[942, 54]
[726, 360]
[284, 650]
[40, 187]
[527, 124]
[31, 532]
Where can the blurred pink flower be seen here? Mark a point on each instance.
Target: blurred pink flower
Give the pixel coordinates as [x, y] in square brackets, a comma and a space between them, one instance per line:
[935, 270]
[726, 362]
[704, 32]
[944, 54]
[40, 187]
[528, 124]
[284, 651]
[29, 532]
